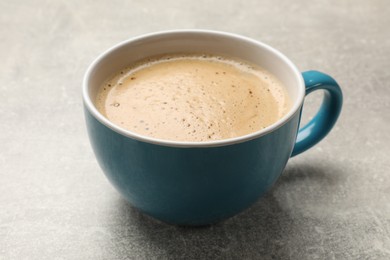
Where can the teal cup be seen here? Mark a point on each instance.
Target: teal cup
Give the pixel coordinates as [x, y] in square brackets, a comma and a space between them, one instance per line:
[200, 183]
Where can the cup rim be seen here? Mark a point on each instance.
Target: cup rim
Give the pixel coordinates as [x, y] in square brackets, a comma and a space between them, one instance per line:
[214, 143]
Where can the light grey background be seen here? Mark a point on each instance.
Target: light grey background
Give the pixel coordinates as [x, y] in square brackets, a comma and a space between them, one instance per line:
[333, 202]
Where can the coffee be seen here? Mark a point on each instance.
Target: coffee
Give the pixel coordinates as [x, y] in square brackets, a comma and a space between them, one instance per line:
[193, 98]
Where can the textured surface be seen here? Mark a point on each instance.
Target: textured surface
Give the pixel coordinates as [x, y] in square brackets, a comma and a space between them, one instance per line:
[333, 202]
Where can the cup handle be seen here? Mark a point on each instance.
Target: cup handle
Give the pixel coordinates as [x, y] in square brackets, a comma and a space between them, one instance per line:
[327, 115]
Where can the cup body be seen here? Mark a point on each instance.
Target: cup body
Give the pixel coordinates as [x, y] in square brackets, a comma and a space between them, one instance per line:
[189, 183]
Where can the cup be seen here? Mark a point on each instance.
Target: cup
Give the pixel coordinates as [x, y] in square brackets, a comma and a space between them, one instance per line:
[199, 183]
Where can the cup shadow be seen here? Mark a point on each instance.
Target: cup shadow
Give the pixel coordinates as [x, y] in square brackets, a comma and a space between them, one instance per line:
[264, 231]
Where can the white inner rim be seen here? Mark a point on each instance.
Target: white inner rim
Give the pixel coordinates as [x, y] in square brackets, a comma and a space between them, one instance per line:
[294, 109]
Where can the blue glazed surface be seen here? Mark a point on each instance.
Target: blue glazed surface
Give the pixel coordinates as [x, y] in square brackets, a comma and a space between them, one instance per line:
[192, 186]
[326, 117]
[199, 185]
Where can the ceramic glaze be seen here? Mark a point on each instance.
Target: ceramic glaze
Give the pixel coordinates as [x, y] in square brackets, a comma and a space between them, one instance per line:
[198, 183]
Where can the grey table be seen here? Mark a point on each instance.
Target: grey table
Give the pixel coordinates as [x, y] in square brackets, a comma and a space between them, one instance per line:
[333, 202]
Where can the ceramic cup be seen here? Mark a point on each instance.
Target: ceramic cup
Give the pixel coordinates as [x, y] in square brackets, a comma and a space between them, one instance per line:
[199, 183]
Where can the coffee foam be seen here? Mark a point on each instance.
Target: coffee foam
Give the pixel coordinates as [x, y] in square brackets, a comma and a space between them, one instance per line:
[193, 98]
